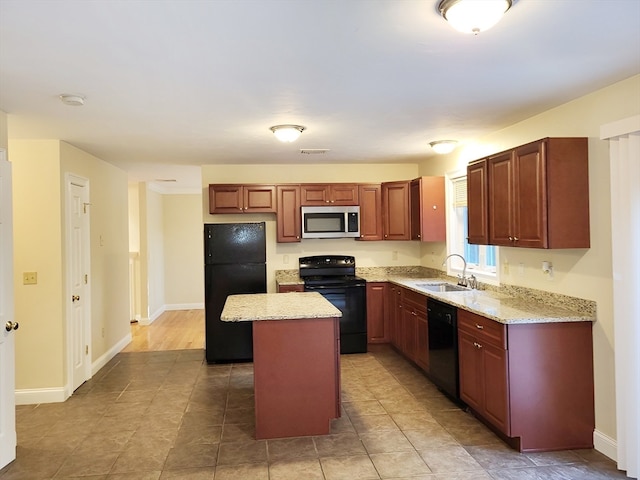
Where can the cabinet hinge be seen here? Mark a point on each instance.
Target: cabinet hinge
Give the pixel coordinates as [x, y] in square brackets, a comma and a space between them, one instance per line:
[86, 278]
[86, 349]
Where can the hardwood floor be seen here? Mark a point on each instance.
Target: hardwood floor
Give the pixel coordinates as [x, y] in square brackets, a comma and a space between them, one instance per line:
[173, 330]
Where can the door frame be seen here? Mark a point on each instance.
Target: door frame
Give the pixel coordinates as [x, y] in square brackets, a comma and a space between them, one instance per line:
[7, 349]
[70, 179]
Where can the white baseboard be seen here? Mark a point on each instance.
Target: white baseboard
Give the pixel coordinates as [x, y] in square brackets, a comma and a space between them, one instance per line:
[185, 306]
[109, 354]
[606, 445]
[32, 396]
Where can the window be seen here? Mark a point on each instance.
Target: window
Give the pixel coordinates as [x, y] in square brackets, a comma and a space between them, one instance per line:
[482, 260]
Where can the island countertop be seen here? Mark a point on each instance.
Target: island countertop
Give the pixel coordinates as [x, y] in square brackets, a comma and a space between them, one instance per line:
[277, 306]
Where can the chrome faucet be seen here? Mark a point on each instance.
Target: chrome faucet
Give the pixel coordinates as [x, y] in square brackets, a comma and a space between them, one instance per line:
[462, 280]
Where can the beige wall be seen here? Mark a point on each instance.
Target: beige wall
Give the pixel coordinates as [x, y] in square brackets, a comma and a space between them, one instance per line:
[284, 256]
[154, 251]
[37, 247]
[39, 168]
[4, 138]
[109, 239]
[584, 273]
[183, 251]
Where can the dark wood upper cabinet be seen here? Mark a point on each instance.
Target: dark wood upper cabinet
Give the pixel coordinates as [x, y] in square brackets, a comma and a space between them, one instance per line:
[478, 209]
[329, 194]
[395, 211]
[370, 198]
[225, 198]
[535, 196]
[288, 222]
[428, 217]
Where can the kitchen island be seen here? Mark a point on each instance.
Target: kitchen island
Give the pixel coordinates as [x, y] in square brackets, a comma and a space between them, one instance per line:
[296, 360]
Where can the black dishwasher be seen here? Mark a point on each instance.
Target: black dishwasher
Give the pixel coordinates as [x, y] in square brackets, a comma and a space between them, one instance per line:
[443, 347]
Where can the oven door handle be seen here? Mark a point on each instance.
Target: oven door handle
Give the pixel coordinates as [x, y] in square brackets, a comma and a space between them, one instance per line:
[333, 287]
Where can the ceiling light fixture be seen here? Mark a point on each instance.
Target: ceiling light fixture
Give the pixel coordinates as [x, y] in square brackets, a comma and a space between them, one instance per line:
[473, 16]
[287, 133]
[72, 100]
[443, 146]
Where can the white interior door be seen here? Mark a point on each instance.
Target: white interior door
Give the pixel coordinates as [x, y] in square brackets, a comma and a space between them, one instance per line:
[78, 279]
[7, 320]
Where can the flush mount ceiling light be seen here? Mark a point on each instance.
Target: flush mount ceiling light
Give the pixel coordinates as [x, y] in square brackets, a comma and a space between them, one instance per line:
[473, 16]
[443, 146]
[287, 133]
[72, 100]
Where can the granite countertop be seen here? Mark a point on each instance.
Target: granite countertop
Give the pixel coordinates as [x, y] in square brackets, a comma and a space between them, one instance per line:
[277, 306]
[499, 307]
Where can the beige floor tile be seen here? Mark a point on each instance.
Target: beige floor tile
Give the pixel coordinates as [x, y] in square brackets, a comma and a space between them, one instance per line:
[386, 442]
[357, 467]
[292, 469]
[189, 474]
[255, 471]
[341, 444]
[413, 420]
[365, 407]
[192, 455]
[291, 448]
[373, 423]
[399, 464]
[429, 437]
[243, 452]
[449, 459]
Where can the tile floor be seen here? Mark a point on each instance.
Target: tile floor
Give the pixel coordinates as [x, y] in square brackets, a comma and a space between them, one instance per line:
[169, 415]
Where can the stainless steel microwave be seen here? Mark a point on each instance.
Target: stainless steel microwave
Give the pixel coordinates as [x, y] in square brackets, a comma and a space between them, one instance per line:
[330, 222]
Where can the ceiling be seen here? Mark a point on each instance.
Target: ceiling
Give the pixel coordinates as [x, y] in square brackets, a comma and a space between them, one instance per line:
[171, 85]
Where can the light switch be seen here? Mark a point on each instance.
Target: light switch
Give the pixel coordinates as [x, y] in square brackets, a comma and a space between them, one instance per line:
[30, 278]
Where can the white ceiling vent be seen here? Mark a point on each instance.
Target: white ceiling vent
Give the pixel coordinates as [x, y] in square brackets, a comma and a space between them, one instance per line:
[313, 151]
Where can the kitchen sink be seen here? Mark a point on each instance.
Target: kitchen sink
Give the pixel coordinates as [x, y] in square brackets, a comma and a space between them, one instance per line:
[442, 287]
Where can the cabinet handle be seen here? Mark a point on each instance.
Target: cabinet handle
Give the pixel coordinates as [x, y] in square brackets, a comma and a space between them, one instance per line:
[511, 239]
[477, 345]
[414, 314]
[515, 239]
[479, 327]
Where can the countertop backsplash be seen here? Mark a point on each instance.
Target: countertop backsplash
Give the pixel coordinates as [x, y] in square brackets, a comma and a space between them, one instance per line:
[381, 274]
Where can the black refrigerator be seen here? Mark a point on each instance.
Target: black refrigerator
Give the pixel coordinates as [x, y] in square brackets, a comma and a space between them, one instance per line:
[234, 262]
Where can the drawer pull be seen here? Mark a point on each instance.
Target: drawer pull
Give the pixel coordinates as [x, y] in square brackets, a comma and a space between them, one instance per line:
[479, 327]
[477, 345]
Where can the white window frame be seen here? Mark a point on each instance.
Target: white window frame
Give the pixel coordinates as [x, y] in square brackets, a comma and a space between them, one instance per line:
[454, 267]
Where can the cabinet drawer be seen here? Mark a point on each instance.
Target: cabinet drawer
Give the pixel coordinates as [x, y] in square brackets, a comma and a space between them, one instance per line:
[484, 329]
[417, 300]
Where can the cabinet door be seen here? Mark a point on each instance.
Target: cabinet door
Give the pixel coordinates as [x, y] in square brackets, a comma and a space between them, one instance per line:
[422, 342]
[496, 393]
[370, 199]
[471, 371]
[501, 194]
[477, 203]
[395, 314]
[314, 194]
[428, 223]
[225, 199]
[409, 332]
[288, 224]
[530, 200]
[343, 194]
[395, 211]
[377, 318]
[259, 198]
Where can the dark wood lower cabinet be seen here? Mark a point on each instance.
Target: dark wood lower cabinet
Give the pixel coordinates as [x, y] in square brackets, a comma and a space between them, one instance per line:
[533, 383]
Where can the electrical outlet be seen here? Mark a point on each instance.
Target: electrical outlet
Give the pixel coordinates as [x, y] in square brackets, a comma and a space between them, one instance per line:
[505, 267]
[394, 255]
[30, 278]
[521, 269]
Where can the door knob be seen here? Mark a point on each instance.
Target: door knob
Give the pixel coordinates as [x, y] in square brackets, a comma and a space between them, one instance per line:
[11, 326]
[75, 298]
